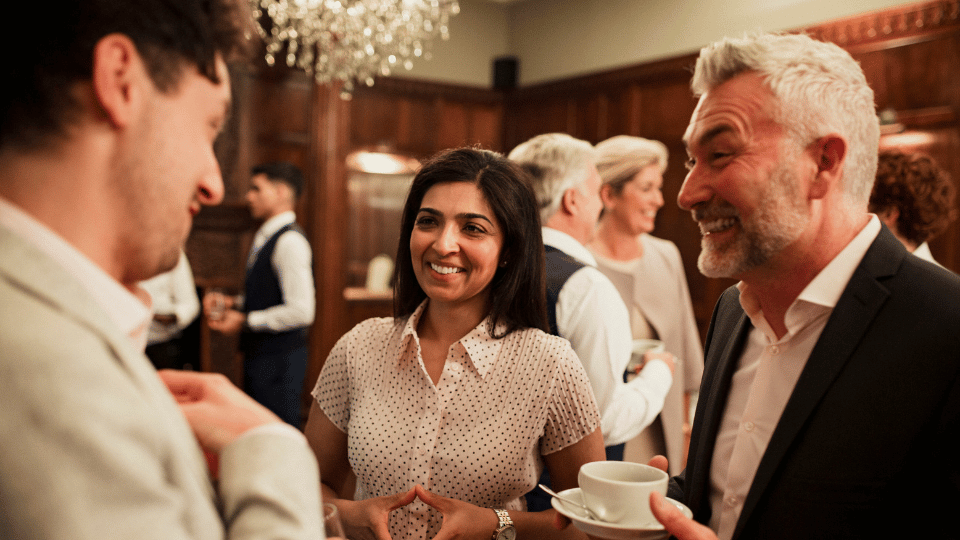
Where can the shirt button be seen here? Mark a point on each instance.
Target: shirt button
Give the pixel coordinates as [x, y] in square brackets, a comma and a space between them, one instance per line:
[774, 350]
[748, 426]
[732, 500]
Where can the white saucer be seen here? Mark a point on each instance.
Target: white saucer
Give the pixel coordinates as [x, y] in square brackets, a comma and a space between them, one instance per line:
[612, 531]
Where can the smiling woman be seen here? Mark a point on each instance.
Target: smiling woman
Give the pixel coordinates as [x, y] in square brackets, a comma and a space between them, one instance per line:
[648, 273]
[492, 200]
[455, 246]
[452, 408]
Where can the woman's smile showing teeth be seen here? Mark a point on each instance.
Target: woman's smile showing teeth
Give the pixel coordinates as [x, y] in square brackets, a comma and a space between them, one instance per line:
[445, 269]
[455, 245]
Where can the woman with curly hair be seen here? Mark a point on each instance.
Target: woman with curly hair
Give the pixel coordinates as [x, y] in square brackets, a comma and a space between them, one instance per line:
[914, 197]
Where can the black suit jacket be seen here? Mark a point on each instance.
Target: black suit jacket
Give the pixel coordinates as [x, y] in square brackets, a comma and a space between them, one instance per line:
[868, 445]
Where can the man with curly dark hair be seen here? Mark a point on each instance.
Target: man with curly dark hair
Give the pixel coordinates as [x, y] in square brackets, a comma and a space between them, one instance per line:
[107, 125]
[914, 197]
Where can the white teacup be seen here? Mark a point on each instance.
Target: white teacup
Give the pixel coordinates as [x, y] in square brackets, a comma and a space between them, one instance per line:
[641, 347]
[619, 491]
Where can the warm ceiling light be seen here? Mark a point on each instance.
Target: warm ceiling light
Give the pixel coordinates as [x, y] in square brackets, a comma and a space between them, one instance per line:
[381, 163]
[351, 40]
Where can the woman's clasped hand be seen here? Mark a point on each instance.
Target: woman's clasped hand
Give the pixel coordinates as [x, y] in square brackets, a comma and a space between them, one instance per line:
[368, 519]
[462, 394]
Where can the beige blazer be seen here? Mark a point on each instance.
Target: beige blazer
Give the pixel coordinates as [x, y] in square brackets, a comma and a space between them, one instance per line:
[659, 289]
[93, 446]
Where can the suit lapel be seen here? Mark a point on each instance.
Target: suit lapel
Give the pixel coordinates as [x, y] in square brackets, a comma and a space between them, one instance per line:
[851, 318]
[720, 364]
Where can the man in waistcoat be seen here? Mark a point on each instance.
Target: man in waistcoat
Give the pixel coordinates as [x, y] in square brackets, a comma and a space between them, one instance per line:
[583, 305]
[277, 308]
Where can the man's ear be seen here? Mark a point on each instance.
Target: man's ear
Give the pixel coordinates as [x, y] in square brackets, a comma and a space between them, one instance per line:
[289, 193]
[830, 153]
[568, 202]
[118, 72]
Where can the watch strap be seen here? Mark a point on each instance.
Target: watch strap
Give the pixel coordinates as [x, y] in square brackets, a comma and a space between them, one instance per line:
[504, 522]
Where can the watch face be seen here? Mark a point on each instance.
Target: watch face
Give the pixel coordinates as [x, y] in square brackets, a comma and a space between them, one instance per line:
[507, 534]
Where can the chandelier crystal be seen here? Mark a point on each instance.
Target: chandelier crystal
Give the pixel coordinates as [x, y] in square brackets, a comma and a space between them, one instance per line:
[351, 40]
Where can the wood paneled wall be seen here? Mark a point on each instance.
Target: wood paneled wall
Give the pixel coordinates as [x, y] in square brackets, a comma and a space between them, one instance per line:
[911, 56]
[419, 119]
[651, 100]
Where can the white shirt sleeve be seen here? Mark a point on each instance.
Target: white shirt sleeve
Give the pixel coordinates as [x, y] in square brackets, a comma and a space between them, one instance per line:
[592, 316]
[292, 261]
[186, 302]
[172, 293]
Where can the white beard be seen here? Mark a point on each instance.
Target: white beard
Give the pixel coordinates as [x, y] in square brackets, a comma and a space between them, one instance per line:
[777, 222]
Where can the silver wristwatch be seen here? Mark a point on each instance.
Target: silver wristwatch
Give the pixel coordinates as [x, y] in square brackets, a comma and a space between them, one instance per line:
[504, 530]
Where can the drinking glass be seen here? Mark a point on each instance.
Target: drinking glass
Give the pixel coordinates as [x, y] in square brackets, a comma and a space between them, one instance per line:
[219, 304]
[331, 522]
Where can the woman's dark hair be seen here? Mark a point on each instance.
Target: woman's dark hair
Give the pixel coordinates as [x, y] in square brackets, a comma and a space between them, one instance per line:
[916, 186]
[518, 289]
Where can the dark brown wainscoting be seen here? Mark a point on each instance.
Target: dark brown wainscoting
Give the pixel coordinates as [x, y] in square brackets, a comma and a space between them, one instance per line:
[910, 54]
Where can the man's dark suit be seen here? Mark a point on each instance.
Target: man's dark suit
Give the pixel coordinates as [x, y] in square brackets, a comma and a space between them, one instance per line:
[868, 445]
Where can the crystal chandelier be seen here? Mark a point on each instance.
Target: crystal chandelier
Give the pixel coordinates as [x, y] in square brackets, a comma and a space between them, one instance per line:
[351, 40]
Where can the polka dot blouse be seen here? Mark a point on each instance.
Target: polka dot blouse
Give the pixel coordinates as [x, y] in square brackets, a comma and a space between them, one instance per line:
[476, 436]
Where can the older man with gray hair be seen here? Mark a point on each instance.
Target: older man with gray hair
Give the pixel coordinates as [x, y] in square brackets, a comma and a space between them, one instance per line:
[584, 306]
[830, 404]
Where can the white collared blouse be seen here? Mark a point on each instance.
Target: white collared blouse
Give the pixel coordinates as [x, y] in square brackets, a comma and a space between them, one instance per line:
[476, 436]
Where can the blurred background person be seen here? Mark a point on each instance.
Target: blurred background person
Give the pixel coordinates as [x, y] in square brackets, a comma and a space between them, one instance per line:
[449, 411]
[914, 197]
[175, 306]
[279, 301]
[584, 307]
[648, 273]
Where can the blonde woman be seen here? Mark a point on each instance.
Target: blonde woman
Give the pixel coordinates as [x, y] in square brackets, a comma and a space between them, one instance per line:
[648, 273]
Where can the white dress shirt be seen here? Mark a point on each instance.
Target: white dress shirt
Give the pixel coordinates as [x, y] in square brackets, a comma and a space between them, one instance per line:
[593, 317]
[766, 375]
[923, 251]
[292, 261]
[173, 293]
